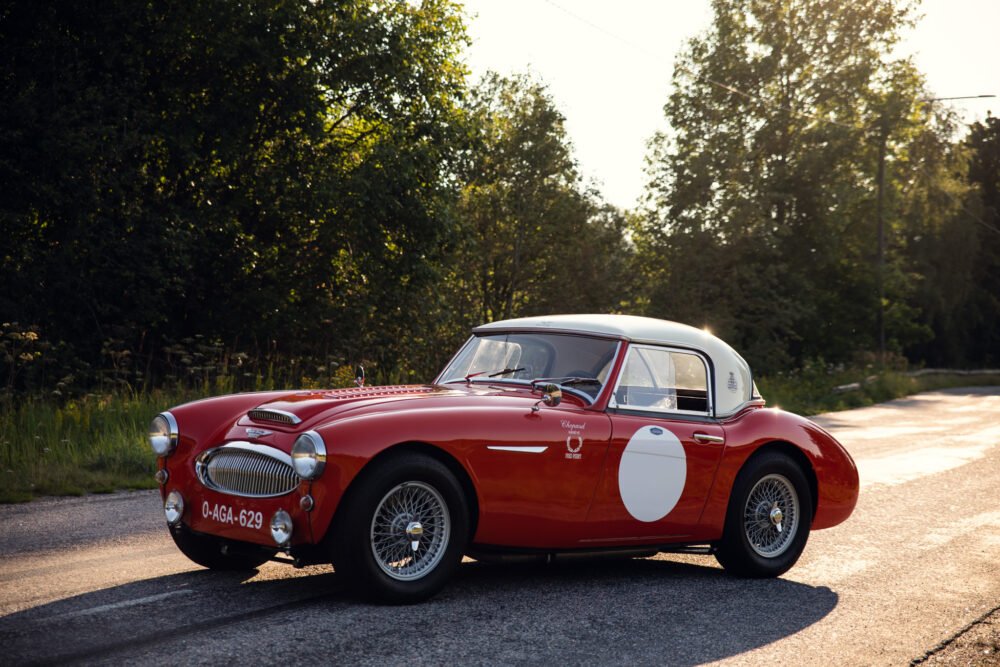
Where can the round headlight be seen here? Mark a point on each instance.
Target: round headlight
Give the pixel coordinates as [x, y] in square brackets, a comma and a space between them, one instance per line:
[309, 455]
[281, 527]
[163, 434]
[173, 508]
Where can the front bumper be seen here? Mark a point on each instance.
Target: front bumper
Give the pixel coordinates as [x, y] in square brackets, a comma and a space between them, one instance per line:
[239, 518]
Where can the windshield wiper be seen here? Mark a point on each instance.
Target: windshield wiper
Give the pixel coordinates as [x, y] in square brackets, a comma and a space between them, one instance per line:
[577, 380]
[569, 379]
[506, 371]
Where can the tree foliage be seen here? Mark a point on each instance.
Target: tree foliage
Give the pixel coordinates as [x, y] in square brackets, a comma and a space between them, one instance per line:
[252, 171]
[534, 240]
[763, 205]
[966, 261]
[263, 190]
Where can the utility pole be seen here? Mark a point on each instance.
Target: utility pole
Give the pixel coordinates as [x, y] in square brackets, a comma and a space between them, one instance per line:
[880, 217]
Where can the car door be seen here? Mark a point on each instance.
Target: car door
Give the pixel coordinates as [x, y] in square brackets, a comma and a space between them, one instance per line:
[664, 450]
[537, 473]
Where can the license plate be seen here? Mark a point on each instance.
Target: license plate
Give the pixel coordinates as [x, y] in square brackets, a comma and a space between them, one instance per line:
[225, 514]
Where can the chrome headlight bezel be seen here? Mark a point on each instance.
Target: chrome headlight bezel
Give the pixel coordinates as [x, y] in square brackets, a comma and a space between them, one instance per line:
[163, 434]
[309, 455]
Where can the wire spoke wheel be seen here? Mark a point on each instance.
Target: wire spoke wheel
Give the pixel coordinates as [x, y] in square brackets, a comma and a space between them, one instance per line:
[410, 530]
[771, 515]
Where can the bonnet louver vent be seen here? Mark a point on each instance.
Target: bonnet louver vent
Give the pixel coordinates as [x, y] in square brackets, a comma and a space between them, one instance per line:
[277, 416]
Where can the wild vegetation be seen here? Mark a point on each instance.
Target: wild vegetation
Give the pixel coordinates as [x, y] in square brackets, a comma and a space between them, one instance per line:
[214, 196]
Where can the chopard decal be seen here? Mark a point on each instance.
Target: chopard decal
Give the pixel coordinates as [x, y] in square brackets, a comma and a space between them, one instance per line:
[574, 439]
[574, 443]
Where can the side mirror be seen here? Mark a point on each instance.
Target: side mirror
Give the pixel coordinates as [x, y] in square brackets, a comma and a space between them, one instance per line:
[551, 396]
[359, 376]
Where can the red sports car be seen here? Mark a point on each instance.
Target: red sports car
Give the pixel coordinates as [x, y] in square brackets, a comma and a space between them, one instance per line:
[543, 436]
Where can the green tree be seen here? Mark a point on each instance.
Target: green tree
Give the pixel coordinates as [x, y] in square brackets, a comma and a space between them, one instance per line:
[762, 207]
[274, 174]
[534, 240]
[962, 255]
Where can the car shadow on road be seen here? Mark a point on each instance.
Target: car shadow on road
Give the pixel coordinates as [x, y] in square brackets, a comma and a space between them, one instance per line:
[644, 611]
[641, 611]
[158, 610]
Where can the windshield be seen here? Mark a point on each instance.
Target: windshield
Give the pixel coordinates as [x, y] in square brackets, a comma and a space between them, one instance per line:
[579, 363]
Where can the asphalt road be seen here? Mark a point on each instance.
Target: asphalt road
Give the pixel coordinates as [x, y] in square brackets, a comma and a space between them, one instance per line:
[98, 580]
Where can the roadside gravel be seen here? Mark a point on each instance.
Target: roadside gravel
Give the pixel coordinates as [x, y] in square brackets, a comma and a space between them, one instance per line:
[977, 646]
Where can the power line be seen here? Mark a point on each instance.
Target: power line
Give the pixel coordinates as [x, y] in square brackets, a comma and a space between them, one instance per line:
[960, 97]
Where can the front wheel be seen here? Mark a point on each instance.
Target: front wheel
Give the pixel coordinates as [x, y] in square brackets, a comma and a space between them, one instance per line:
[403, 530]
[767, 523]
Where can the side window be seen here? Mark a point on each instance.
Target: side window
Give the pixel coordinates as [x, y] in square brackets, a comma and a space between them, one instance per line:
[662, 380]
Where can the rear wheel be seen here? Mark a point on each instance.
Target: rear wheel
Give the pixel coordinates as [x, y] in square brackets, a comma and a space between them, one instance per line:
[767, 523]
[402, 530]
[216, 554]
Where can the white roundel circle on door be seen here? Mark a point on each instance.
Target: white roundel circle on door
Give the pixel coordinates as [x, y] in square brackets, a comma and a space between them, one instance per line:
[652, 473]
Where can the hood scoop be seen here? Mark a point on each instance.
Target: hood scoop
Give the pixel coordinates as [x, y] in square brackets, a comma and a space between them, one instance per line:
[276, 416]
[294, 409]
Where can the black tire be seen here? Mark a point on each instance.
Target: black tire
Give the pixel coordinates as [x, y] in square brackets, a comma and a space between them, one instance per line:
[369, 543]
[752, 545]
[216, 554]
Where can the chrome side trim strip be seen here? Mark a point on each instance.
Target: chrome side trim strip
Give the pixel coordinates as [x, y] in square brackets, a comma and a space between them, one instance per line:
[527, 449]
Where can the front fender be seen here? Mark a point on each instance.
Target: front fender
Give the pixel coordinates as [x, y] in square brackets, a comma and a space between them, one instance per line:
[205, 422]
[353, 442]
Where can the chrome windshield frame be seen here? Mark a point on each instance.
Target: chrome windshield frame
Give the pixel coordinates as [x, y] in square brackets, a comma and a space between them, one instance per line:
[485, 380]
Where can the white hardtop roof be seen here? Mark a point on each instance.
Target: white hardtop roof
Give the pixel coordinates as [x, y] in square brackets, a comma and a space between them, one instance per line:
[732, 380]
[646, 329]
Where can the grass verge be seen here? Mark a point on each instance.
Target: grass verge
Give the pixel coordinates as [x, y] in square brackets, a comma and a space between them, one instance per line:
[97, 444]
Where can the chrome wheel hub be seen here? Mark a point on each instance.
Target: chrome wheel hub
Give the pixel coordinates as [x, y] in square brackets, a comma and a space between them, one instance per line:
[776, 516]
[410, 531]
[771, 515]
[414, 531]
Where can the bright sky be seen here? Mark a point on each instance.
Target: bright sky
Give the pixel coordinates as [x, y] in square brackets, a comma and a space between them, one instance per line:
[611, 87]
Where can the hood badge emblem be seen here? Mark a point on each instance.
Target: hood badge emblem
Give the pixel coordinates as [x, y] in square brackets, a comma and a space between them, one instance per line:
[258, 432]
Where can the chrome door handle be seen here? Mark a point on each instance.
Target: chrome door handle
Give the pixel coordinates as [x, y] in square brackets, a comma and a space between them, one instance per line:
[706, 438]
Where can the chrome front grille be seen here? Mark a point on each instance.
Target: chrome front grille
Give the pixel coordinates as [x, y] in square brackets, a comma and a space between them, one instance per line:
[246, 469]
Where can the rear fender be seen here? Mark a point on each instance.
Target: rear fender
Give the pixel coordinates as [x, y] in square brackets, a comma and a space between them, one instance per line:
[830, 465]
